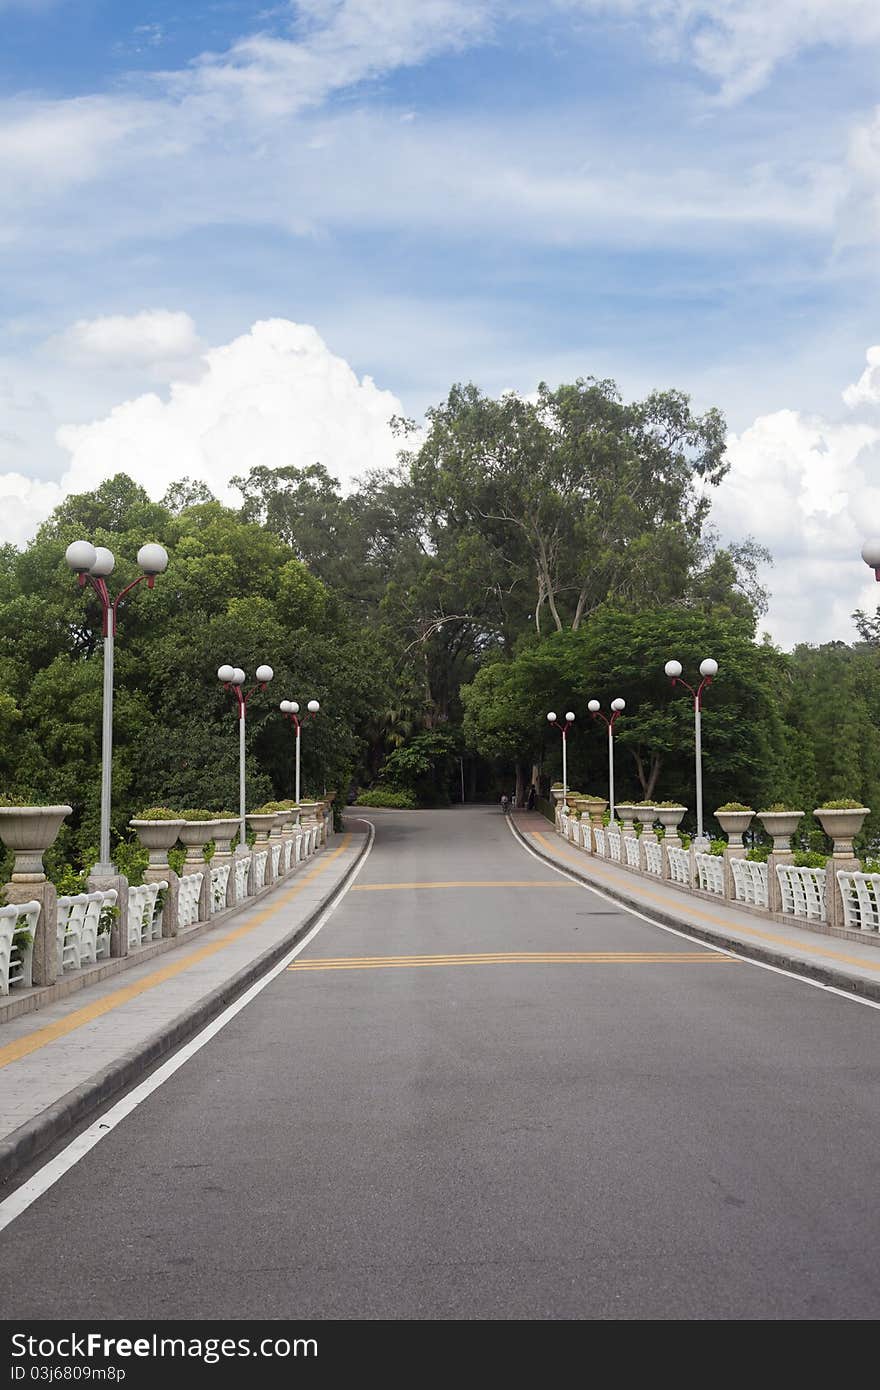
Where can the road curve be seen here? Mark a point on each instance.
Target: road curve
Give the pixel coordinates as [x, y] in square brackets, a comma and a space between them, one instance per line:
[485, 1092]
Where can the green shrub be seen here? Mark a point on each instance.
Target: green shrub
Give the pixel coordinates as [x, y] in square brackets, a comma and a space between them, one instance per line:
[871, 866]
[159, 813]
[196, 815]
[670, 805]
[269, 808]
[131, 859]
[777, 808]
[809, 859]
[758, 854]
[383, 796]
[175, 860]
[717, 847]
[843, 803]
[734, 806]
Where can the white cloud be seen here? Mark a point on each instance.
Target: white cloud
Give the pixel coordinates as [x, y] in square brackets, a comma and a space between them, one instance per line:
[274, 396]
[807, 488]
[152, 338]
[739, 43]
[24, 504]
[866, 391]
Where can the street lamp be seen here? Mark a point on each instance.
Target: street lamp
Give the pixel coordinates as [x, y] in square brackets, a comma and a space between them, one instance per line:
[93, 565]
[290, 710]
[871, 556]
[233, 678]
[708, 670]
[563, 729]
[617, 708]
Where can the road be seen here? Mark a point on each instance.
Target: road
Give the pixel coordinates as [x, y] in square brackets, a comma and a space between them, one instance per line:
[598, 1119]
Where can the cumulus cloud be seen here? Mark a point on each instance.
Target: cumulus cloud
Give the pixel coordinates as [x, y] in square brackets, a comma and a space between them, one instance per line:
[807, 488]
[273, 396]
[154, 337]
[739, 43]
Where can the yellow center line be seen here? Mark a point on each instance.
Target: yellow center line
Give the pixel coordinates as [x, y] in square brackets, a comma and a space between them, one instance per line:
[517, 958]
[22, 1047]
[464, 883]
[708, 916]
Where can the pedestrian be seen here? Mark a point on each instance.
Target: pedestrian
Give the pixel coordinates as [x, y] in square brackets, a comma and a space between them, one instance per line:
[504, 802]
[530, 800]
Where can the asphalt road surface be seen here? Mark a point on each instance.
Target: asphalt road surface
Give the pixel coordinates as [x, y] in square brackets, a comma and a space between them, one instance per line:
[485, 1092]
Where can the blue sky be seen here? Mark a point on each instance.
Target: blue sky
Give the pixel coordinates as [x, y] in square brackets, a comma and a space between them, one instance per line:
[666, 192]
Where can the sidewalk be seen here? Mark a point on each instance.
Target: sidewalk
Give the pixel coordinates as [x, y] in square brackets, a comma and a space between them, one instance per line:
[60, 1063]
[842, 964]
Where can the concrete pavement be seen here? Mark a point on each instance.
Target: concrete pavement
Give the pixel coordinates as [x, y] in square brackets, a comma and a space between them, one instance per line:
[849, 965]
[484, 1091]
[59, 1063]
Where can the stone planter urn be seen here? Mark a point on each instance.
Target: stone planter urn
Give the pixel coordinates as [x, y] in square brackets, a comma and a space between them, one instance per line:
[577, 802]
[158, 837]
[645, 815]
[781, 825]
[627, 810]
[556, 793]
[671, 817]
[29, 831]
[596, 809]
[223, 832]
[734, 824]
[263, 823]
[194, 835]
[841, 826]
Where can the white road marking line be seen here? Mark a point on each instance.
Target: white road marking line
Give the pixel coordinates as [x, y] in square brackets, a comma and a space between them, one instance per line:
[723, 950]
[48, 1175]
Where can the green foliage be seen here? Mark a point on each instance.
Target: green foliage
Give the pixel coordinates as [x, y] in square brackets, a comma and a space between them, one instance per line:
[422, 767]
[717, 847]
[384, 796]
[779, 808]
[158, 813]
[842, 803]
[735, 806]
[759, 854]
[809, 859]
[197, 815]
[175, 860]
[131, 859]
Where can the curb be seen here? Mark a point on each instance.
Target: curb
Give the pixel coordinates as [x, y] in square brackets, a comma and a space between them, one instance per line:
[764, 955]
[30, 1139]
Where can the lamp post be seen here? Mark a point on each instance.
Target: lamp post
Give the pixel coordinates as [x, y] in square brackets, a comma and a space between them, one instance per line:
[617, 708]
[708, 670]
[233, 678]
[563, 729]
[290, 710]
[871, 556]
[93, 565]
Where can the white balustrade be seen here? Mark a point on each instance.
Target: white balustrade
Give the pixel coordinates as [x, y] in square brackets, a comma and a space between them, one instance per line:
[679, 865]
[260, 862]
[242, 869]
[94, 938]
[803, 891]
[276, 858]
[653, 855]
[751, 882]
[189, 892]
[16, 961]
[68, 929]
[861, 900]
[286, 850]
[585, 833]
[614, 850]
[600, 840]
[80, 927]
[631, 845]
[219, 884]
[710, 873]
[145, 912]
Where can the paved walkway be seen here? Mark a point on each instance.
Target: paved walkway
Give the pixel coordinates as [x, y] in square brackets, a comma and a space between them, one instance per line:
[842, 964]
[58, 1063]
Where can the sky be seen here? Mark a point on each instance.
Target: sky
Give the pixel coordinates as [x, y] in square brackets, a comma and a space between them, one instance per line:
[236, 233]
